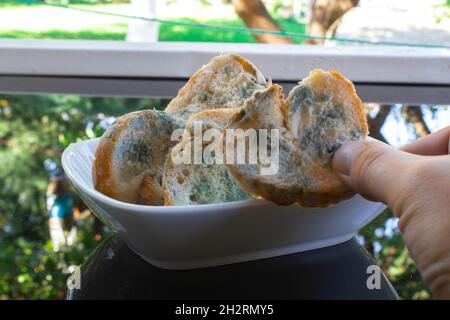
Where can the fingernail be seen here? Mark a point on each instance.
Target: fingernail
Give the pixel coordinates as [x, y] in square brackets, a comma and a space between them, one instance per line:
[344, 156]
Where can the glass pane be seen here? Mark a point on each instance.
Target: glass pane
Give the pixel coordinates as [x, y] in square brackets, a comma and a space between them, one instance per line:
[413, 21]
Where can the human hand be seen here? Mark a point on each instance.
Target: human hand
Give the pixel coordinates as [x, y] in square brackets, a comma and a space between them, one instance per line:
[414, 181]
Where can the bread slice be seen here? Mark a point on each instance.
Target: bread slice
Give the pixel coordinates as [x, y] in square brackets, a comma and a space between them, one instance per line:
[130, 156]
[322, 113]
[225, 82]
[205, 182]
[264, 110]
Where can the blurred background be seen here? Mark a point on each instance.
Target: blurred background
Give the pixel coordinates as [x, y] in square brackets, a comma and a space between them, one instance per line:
[45, 228]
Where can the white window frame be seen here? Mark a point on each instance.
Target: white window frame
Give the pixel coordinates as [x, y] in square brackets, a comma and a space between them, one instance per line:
[382, 74]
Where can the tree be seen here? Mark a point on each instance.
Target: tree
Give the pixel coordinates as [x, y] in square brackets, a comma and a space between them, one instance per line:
[377, 122]
[413, 115]
[326, 16]
[32, 130]
[255, 16]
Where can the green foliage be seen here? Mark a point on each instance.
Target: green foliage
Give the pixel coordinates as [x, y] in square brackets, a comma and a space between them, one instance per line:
[30, 269]
[384, 242]
[442, 11]
[25, 3]
[87, 2]
[94, 34]
[167, 32]
[12, 4]
[33, 129]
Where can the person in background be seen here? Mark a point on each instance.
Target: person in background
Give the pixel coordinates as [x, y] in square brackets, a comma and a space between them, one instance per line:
[60, 207]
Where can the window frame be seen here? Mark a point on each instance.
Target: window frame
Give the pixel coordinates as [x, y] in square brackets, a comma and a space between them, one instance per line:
[86, 67]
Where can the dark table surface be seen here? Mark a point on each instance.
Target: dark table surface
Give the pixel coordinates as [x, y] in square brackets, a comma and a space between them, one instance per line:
[113, 271]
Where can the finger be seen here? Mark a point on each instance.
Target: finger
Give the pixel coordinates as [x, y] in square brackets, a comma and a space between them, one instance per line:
[437, 143]
[373, 169]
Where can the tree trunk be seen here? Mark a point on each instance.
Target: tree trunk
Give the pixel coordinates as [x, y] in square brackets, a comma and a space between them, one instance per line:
[414, 116]
[255, 16]
[325, 17]
[377, 122]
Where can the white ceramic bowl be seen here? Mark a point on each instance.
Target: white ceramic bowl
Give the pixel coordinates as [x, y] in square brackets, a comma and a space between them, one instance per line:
[188, 237]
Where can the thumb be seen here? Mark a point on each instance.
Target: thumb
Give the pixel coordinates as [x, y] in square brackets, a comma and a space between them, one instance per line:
[373, 169]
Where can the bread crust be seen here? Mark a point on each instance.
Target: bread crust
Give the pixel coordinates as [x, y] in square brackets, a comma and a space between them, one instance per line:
[102, 171]
[225, 82]
[130, 156]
